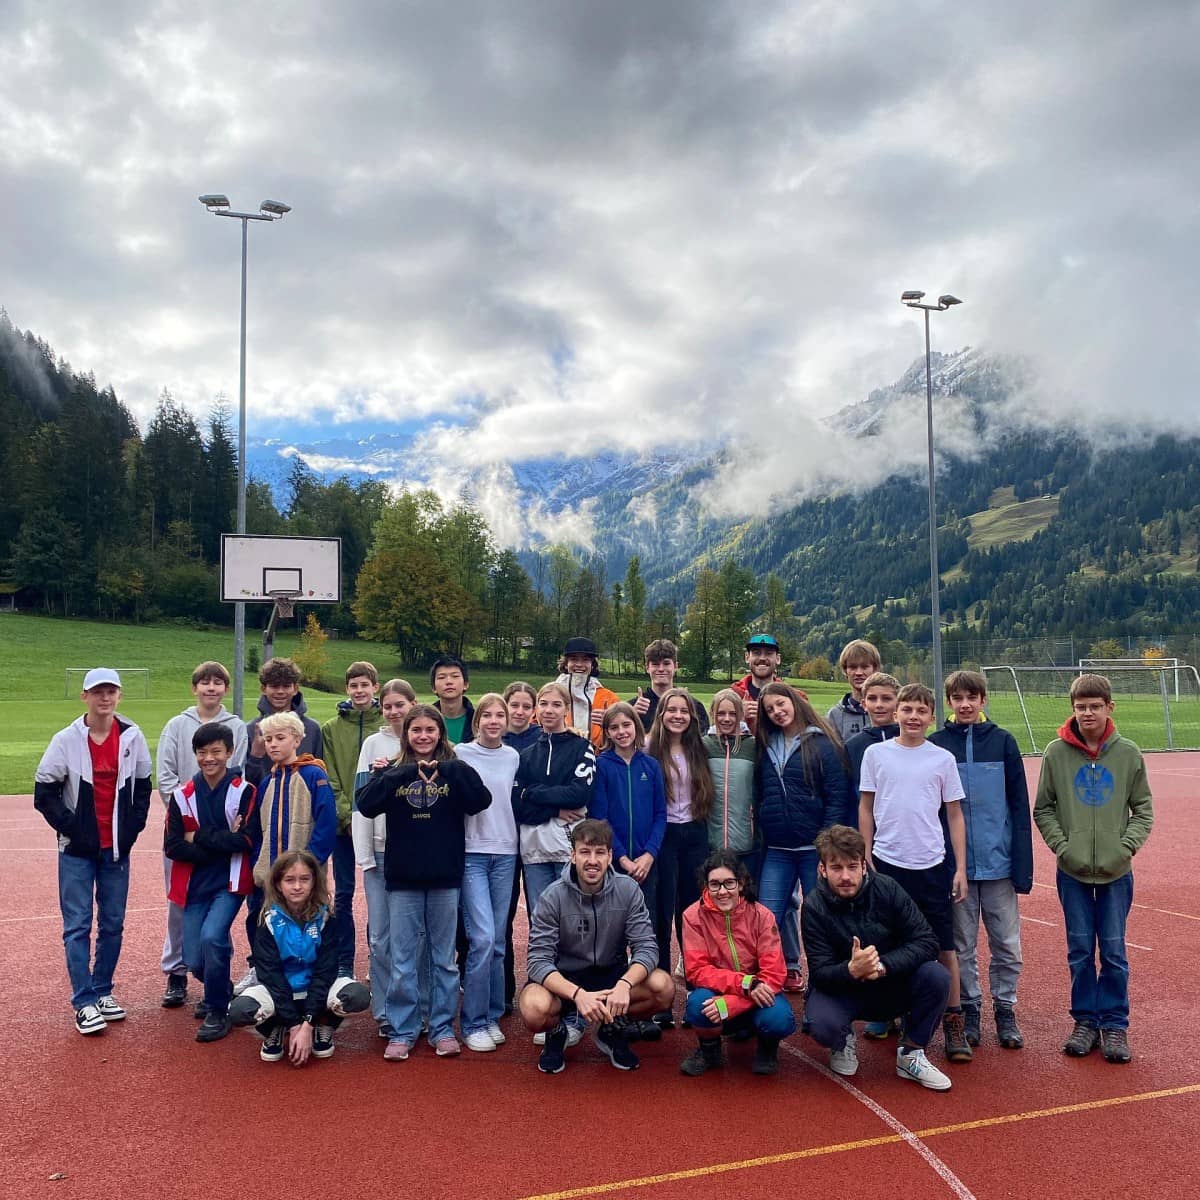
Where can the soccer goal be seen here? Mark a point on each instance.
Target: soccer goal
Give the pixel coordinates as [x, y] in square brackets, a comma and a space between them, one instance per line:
[1102, 666]
[135, 681]
[1032, 702]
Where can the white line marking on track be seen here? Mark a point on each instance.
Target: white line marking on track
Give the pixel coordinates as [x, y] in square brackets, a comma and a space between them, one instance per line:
[1038, 921]
[1167, 912]
[58, 916]
[897, 1126]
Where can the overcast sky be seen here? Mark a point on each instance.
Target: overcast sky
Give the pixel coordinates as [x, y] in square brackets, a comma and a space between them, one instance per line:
[629, 223]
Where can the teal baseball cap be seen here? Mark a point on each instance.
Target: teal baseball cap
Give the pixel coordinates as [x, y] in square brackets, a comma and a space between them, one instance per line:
[760, 640]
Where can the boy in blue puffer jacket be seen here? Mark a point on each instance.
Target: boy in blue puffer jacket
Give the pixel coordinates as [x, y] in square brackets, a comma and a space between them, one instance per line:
[999, 853]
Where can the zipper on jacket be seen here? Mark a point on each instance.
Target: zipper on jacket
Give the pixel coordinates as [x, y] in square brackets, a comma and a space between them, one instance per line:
[595, 934]
[629, 801]
[737, 963]
[728, 757]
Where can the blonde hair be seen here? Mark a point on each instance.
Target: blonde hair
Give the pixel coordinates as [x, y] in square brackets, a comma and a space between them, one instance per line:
[488, 700]
[278, 722]
[398, 687]
[859, 650]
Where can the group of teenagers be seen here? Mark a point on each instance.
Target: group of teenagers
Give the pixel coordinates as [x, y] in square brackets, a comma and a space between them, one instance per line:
[627, 825]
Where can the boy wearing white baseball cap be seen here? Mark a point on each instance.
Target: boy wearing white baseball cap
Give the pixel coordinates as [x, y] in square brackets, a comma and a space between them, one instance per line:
[93, 788]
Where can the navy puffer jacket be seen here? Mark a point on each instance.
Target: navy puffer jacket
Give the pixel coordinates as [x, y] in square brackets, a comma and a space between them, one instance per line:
[798, 800]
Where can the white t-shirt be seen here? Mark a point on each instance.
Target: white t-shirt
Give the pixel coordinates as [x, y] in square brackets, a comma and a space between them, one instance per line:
[493, 831]
[911, 783]
[370, 834]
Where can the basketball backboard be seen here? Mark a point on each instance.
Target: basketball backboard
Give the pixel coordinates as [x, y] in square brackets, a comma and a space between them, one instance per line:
[254, 567]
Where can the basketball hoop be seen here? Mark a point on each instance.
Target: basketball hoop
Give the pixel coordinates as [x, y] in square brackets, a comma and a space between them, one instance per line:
[284, 602]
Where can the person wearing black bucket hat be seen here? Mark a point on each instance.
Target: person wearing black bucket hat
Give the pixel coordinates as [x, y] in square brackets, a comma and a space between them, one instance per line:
[579, 673]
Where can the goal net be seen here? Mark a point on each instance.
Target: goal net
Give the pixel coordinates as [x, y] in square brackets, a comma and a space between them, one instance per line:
[1157, 706]
[135, 682]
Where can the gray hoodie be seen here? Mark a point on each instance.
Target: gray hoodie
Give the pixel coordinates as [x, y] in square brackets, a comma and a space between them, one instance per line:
[177, 760]
[573, 930]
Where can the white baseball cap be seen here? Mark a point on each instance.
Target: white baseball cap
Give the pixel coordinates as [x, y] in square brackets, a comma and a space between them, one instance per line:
[98, 676]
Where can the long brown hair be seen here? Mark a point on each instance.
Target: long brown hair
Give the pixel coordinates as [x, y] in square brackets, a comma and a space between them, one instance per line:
[810, 722]
[692, 744]
[442, 751]
[318, 898]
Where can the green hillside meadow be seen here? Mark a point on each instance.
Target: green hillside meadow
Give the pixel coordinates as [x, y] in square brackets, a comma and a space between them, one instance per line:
[38, 650]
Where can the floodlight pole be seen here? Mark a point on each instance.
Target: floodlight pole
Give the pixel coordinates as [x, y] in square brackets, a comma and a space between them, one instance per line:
[270, 210]
[913, 300]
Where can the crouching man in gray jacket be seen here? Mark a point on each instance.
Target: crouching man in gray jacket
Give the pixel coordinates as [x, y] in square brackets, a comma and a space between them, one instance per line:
[592, 950]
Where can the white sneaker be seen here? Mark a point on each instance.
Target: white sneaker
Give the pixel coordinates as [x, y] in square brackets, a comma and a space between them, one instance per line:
[480, 1040]
[109, 1009]
[89, 1021]
[915, 1066]
[496, 1034]
[574, 1035]
[539, 1039]
[249, 980]
[845, 1060]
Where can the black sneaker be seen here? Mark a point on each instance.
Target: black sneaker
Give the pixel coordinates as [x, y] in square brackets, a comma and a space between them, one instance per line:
[766, 1056]
[1082, 1041]
[272, 1048]
[175, 995]
[322, 1044]
[664, 1019]
[214, 1028]
[200, 1010]
[971, 1030]
[1008, 1032]
[1114, 1045]
[644, 1031]
[553, 1060]
[705, 1057]
[612, 1041]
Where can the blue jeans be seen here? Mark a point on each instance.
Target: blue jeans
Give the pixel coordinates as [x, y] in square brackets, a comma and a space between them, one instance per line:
[343, 900]
[78, 880]
[782, 870]
[1095, 916]
[422, 921]
[778, 1021]
[538, 877]
[486, 890]
[207, 946]
[378, 937]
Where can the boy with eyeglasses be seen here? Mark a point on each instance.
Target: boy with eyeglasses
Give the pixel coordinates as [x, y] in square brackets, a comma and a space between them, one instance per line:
[1095, 812]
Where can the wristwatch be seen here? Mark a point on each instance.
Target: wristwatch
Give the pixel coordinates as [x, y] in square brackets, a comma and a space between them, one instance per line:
[307, 1018]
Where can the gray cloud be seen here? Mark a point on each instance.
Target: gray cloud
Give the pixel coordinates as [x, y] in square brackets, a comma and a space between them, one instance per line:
[617, 225]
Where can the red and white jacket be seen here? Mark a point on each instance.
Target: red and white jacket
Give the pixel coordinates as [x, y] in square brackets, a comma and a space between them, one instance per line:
[182, 818]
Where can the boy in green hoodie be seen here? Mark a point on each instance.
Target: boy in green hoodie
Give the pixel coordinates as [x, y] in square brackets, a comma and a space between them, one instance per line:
[1094, 811]
[358, 716]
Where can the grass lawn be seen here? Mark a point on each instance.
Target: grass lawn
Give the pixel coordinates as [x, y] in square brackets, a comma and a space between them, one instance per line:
[37, 651]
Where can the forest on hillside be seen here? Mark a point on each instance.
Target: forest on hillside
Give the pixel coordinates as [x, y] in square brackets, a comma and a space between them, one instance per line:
[100, 519]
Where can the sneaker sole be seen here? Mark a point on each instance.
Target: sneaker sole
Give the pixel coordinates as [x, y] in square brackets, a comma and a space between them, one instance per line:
[112, 1018]
[552, 1070]
[607, 1051]
[270, 1056]
[845, 1070]
[488, 1049]
[448, 1053]
[173, 1002]
[215, 1037]
[89, 1030]
[326, 1053]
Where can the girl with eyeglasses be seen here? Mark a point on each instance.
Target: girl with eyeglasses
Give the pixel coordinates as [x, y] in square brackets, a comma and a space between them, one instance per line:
[735, 962]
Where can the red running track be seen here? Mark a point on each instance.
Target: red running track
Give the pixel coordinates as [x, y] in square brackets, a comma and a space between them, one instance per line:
[144, 1111]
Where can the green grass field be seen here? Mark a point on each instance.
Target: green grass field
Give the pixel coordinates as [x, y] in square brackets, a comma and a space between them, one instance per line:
[38, 650]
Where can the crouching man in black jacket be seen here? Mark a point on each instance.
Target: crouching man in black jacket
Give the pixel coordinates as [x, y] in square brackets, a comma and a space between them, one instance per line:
[871, 956]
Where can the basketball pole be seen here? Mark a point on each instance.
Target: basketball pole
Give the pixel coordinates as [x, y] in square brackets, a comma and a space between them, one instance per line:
[269, 210]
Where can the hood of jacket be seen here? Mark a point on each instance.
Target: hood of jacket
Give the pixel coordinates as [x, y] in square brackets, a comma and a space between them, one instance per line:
[298, 705]
[1069, 732]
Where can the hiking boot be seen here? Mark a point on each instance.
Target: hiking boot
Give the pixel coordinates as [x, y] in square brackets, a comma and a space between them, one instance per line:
[766, 1056]
[911, 1063]
[971, 1023]
[1082, 1041]
[109, 1009]
[215, 1027]
[958, 1049]
[552, 1060]
[845, 1061]
[611, 1040]
[705, 1057]
[89, 1021]
[793, 982]
[1114, 1045]
[322, 1043]
[200, 1011]
[1008, 1032]
[272, 1048]
[175, 995]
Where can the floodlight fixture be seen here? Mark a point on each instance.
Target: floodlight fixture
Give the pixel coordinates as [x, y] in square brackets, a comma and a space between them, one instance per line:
[947, 300]
[215, 201]
[910, 297]
[275, 207]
